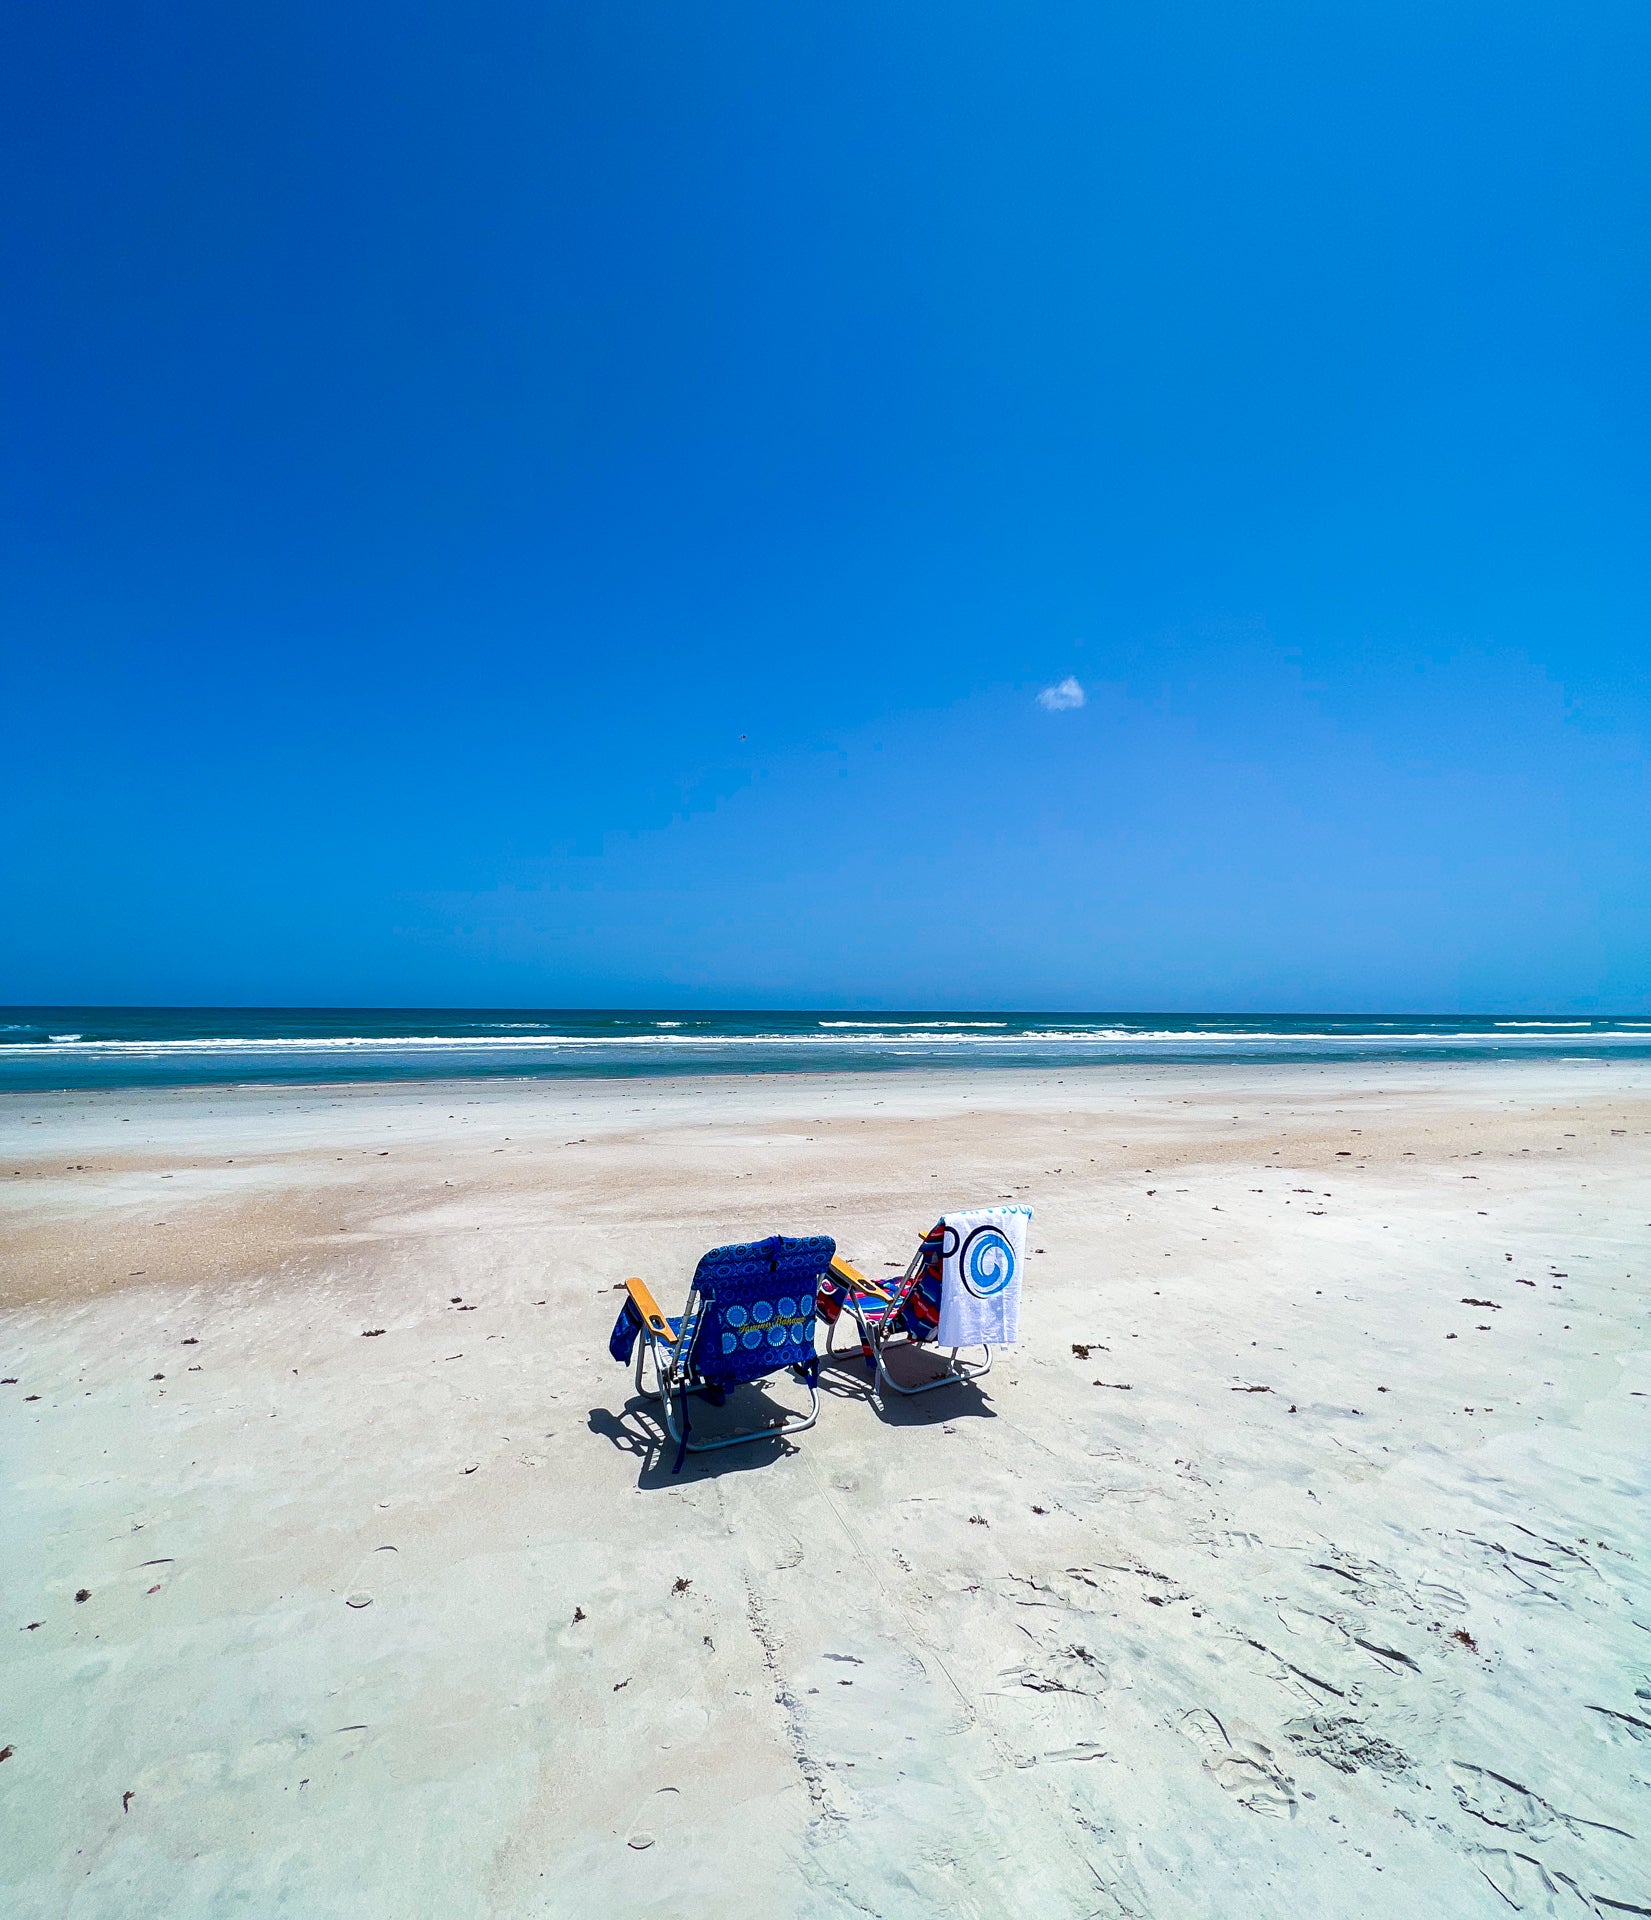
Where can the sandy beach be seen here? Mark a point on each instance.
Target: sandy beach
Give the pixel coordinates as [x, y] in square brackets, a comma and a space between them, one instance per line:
[1294, 1563]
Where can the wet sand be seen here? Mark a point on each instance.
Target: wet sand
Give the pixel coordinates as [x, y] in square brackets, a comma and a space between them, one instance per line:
[1295, 1561]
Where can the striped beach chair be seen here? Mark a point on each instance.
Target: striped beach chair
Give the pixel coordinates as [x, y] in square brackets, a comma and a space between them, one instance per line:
[750, 1314]
[897, 1313]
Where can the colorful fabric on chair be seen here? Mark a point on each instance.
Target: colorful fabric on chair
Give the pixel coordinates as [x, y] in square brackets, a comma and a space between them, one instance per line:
[920, 1313]
[830, 1299]
[913, 1310]
[908, 1304]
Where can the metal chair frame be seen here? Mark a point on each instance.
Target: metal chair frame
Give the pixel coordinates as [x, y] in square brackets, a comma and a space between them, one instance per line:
[877, 1336]
[674, 1376]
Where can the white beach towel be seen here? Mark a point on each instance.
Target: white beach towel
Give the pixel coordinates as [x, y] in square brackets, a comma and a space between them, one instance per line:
[984, 1255]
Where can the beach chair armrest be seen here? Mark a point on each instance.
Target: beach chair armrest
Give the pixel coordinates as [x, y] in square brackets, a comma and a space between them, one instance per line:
[647, 1307]
[854, 1280]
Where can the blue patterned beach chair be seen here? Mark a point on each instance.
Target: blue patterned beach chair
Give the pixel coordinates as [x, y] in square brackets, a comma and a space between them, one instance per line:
[897, 1313]
[749, 1315]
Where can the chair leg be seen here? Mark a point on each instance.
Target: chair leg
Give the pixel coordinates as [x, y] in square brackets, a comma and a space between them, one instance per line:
[798, 1424]
[874, 1342]
[957, 1371]
[831, 1332]
[657, 1390]
[867, 1343]
[682, 1438]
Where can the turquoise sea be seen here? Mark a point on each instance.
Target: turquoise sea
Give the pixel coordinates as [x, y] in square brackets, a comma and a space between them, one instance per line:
[78, 1047]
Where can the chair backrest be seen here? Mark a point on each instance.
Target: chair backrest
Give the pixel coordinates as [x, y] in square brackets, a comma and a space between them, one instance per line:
[917, 1296]
[753, 1307]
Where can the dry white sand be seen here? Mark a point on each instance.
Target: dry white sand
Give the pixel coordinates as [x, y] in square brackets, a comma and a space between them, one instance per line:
[1316, 1584]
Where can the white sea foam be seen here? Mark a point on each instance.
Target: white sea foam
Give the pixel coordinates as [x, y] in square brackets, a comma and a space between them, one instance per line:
[981, 1037]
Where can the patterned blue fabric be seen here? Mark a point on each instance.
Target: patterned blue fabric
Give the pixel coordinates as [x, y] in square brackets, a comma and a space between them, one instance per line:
[622, 1341]
[758, 1311]
[753, 1316]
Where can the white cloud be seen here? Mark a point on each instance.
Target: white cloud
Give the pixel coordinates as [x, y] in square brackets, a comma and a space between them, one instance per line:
[1065, 693]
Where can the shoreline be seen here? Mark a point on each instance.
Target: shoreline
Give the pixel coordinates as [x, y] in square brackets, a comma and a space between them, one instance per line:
[141, 1047]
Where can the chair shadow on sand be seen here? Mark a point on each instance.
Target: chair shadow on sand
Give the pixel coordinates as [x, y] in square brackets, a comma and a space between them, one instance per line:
[637, 1429]
[843, 1375]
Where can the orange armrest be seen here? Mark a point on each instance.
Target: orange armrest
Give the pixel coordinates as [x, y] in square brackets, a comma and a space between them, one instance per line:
[849, 1276]
[648, 1307]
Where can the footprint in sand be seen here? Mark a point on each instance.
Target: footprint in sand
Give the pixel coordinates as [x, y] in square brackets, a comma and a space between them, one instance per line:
[1527, 1885]
[690, 1721]
[771, 1549]
[154, 1575]
[1442, 1599]
[186, 1778]
[377, 1575]
[1344, 1742]
[1072, 1668]
[767, 1546]
[659, 1818]
[1502, 1802]
[1371, 1584]
[1050, 1709]
[1242, 1767]
[1623, 1726]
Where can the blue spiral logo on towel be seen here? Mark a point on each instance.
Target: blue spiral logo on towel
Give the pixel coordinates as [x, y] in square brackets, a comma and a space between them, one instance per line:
[986, 1263]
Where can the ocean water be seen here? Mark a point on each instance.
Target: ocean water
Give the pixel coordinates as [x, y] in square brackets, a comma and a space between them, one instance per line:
[78, 1047]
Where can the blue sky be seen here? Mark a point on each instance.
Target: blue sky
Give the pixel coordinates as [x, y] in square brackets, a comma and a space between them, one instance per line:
[539, 504]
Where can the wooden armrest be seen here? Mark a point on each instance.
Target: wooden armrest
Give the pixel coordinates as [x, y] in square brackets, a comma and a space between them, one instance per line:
[851, 1276]
[648, 1307]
